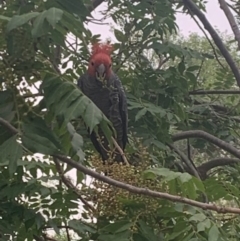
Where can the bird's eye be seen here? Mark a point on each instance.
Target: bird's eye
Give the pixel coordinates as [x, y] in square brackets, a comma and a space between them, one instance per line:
[92, 63]
[110, 65]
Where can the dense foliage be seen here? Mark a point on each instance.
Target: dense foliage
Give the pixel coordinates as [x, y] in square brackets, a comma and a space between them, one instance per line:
[183, 104]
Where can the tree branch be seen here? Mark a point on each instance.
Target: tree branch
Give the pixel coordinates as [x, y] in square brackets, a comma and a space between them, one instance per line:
[120, 151]
[8, 126]
[217, 108]
[192, 168]
[162, 61]
[231, 20]
[213, 92]
[25, 96]
[216, 162]
[202, 134]
[193, 7]
[145, 191]
[68, 234]
[208, 39]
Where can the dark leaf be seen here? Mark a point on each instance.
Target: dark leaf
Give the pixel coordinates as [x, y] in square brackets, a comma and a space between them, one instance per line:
[11, 151]
[19, 20]
[37, 137]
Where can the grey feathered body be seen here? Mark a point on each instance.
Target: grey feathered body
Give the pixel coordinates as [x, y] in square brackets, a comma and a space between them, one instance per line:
[112, 101]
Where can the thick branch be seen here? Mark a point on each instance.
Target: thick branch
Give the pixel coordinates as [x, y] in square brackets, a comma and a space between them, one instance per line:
[214, 92]
[208, 39]
[145, 191]
[187, 161]
[216, 162]
[231, 20]
[202, 134]
[193, 7]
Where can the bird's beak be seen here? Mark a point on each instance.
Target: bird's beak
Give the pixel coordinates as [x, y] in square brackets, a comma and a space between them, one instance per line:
[101, 73]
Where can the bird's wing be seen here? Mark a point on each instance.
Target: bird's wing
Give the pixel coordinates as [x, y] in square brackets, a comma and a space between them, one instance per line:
[83, 85]
[123, 109]
[81, 80]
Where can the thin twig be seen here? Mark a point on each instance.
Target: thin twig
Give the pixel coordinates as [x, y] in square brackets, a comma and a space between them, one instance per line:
[68, 234]
[162, 62]
[213, 92]
[25, 96]
[187, 161]
[56, 58]
[8, 126]
[199, 71]
[75, 51]
[120, 151]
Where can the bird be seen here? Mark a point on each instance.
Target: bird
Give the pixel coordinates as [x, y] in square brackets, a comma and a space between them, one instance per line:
[101, 84]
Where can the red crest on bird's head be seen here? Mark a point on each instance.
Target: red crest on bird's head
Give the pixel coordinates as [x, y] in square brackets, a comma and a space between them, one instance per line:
[100, 61]
[98, 48]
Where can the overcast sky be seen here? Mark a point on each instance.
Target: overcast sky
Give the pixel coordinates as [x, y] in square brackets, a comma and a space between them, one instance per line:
[185, 23]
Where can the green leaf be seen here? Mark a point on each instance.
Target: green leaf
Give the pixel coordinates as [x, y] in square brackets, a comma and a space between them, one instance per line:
[74, 7]
[19, 20]
[159, 144]
[11, 150]
[40, 25]
[5, 18]
[37, 137]
[175, 233]
[58, 38]
[80, 227]
[140, 114]
[185, 177]
[213, 234]
[29, 223]
[147, 231]
[6, 107]
[54, 15]
[202, 226]
[117, 227]
[159, 48]
[198, 217]
[13, 191]
[181, 67]
[119, 35]
[91, 117]
[66, 99]
[134, 205]
[77, 141]
[124, 236]
[193, 68]
[191, 77]
[164, 172]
